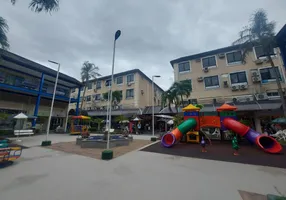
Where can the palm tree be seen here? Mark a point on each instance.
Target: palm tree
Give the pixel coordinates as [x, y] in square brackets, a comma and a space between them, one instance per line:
[4, 44]
[168, 98]
[261, 32]
[183, 88]
[88, 71]
[42, 5]
[34, 5]
[116, 97]
[175, 95]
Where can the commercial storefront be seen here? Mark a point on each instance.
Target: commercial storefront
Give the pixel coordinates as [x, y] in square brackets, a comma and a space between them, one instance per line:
[26, 86]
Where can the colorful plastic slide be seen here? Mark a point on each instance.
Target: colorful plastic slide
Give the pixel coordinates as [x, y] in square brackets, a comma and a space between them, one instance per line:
[268, 144]
[170, 138]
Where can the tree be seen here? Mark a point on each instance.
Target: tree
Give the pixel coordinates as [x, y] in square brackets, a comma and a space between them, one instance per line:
[36, 6]
[88, 71]
[176, 93]
[98, 121]
[4, 44]
[42, 5]
[116, 97]
[261, 32]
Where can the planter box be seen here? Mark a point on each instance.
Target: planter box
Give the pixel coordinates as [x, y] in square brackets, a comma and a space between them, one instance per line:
[78, 141]
[101, 144]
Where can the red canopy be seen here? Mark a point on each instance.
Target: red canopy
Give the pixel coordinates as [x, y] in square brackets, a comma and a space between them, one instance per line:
[226, 107]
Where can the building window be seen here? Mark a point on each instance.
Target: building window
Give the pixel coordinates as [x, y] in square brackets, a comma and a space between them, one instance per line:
[89, 86]
[273, 95]
[72, 90]
[268, 74]
[259, 52]
[98, 84]
[130, 78]
[108, 83]
[184, 67]
[88, 98]
[211, 82]
[119, 80]
[97, 97]
[209, 62]
[234, 57]
[238, 77]
[129, 93]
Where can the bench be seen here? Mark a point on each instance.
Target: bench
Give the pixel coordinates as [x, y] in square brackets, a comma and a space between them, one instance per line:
[23, 132]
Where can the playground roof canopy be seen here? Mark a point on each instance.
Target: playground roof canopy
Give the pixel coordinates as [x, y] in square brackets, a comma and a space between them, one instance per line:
[81, 117]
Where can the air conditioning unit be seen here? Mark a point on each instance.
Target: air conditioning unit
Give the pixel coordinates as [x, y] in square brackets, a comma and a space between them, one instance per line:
[235, 87]
[129, 84]
[205, 69]
[245, 98]
[255, 76]
[198, 60]
[258, 61]
[261, 96]
[225, 84]
[243, 86]
[221, 55]
[200, 79]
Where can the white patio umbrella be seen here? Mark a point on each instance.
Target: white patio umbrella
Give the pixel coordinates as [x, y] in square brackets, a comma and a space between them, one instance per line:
[170, 122]
[137, 119]
[21, 117]
[124, 121]
[164, 116]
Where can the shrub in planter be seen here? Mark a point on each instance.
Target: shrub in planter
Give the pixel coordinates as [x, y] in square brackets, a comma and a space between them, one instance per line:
[153, 139]
[107, 154]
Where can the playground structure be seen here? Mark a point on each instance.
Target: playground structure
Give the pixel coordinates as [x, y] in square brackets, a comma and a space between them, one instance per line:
[225, 118]
[80, 125]
[9, 153]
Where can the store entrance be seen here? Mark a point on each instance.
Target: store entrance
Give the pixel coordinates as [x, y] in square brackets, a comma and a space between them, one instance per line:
[55, 122]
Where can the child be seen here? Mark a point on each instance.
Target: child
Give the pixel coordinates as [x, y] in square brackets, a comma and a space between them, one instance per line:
[235, 146]
[203, 144]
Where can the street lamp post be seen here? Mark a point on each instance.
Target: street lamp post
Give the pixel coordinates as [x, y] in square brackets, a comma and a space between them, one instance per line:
[117, 35]
[153, 123]
[45, 143]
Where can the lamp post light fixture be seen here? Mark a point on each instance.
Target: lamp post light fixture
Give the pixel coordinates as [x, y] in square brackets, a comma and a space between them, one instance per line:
[153, 123]
[47, 142]
[116, 36]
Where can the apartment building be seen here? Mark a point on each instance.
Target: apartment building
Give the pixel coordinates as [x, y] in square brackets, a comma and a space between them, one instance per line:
[136, 89]
[220, 75]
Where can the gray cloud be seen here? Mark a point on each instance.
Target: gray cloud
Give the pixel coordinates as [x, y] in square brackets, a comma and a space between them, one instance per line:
[153, 32]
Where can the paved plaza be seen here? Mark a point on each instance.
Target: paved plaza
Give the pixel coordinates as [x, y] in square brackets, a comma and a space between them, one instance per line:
[47, 174]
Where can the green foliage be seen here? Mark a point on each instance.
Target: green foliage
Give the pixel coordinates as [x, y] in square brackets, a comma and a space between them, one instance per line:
[4, 116]
[178, 119]
[175, 95]
[98, 121]
[88, 71]
[42, 5]
[245, 122]
[200, 106]
[120, 118]
[116, 97]
[4, 43]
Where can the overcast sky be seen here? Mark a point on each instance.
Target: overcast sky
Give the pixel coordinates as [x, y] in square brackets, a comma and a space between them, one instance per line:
[154, 32]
